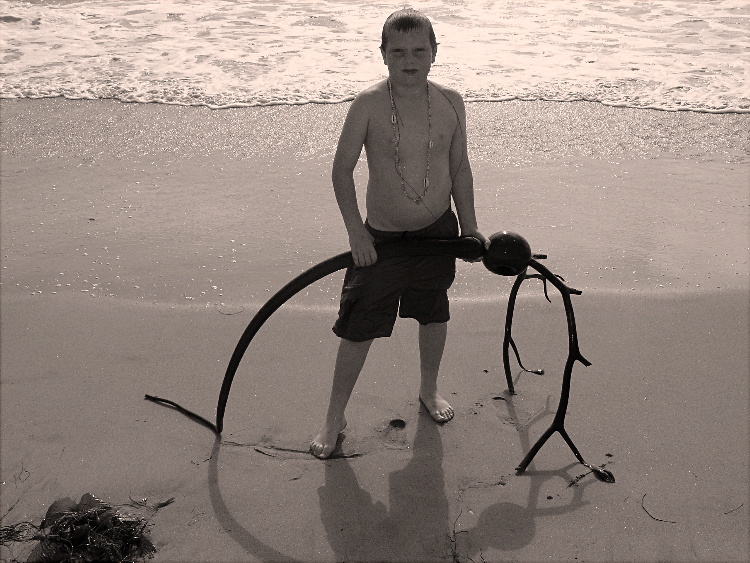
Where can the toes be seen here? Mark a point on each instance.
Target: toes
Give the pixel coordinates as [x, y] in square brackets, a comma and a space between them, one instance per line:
[443, 415]
[321, 451]
[438, 414]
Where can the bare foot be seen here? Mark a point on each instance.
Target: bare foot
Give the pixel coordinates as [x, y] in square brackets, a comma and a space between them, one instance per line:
[324, 443]
[439, 409]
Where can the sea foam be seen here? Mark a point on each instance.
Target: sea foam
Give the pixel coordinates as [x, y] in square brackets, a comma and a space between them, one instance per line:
[662, 55]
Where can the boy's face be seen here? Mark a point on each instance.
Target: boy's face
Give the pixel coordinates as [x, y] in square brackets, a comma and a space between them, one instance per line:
[408, 56]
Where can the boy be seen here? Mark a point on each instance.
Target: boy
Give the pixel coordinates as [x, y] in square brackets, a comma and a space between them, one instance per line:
[413, 132]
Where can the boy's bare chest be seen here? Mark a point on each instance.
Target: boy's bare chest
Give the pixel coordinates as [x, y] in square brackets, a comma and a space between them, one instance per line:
[410, 131]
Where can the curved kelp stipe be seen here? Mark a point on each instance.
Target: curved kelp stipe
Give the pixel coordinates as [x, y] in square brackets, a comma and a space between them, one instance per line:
[467, 248]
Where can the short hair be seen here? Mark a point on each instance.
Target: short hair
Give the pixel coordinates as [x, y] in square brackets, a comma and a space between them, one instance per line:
[407, 20]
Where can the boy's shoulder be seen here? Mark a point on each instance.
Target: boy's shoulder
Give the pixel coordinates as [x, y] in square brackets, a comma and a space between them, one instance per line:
[370, 102]
[373, 93]
[452, 95]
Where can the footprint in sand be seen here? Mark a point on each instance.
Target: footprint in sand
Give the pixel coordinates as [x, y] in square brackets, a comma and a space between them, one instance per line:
[393, 433]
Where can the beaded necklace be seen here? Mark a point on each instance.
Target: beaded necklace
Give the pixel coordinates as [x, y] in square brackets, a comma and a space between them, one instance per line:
[397, 139]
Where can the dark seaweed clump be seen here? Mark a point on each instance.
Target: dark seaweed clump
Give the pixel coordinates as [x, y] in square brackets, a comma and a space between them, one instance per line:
[90, 530]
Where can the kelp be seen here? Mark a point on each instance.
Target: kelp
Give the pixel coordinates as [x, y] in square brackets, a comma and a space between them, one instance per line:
[85, 531]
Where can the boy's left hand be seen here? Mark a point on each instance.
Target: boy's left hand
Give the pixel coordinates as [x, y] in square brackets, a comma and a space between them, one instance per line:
[476, 233]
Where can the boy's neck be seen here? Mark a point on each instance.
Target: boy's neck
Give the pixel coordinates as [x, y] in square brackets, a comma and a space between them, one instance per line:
[408, 90]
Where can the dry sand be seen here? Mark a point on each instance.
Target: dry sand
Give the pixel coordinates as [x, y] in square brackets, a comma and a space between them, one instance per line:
[137, 242]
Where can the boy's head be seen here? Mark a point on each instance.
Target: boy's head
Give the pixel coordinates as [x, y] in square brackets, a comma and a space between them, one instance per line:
[404, 21]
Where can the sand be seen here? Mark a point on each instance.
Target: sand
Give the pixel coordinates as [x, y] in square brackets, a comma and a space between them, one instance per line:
[138, 241]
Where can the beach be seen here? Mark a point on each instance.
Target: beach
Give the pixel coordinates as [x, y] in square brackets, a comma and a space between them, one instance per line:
[138, 240]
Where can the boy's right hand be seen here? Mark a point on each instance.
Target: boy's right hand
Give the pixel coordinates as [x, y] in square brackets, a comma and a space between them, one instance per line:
[363, 247]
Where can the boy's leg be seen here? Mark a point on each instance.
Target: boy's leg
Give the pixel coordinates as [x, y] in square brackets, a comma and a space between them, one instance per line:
[349, 361]
[431, 345]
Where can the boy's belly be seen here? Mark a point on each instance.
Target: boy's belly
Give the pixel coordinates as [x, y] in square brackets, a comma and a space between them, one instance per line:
[389, 209]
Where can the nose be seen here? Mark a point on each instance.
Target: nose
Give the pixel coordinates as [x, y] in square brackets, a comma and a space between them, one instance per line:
[410, 57]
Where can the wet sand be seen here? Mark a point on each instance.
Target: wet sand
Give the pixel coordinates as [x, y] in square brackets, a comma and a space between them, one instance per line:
[138, 241]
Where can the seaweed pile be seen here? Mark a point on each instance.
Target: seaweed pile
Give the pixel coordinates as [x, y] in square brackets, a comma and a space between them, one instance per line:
[88, 530]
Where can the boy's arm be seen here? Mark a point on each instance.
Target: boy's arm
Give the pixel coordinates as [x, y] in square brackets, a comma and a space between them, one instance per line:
[351, 140]
[460, 170]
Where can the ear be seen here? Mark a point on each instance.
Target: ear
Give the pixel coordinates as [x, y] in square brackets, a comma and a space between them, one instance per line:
[382, 52]
[434, 54]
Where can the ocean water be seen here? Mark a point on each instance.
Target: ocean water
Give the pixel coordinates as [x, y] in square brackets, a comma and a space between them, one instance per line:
[670, 55]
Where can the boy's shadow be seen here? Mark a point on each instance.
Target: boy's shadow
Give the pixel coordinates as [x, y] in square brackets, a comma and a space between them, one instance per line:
[414, 527]
[418, 526]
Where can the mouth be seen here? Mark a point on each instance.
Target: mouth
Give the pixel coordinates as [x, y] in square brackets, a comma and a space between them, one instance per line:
[410, 71]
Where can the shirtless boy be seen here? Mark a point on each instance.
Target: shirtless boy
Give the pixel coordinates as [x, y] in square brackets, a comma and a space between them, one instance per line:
[414, 135]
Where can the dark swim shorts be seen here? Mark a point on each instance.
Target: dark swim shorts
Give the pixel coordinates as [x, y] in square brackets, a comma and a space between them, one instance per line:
[415, 287]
